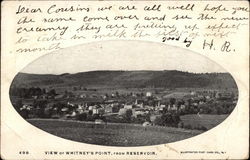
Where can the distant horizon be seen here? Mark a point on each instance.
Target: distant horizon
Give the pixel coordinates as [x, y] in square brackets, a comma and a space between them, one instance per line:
[120, 70]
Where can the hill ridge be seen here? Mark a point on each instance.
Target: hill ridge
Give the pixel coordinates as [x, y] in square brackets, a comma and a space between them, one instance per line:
[132, 78]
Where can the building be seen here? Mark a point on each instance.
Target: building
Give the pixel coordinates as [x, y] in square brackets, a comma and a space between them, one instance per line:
[98, 110]
[128, 106]
[148, 94]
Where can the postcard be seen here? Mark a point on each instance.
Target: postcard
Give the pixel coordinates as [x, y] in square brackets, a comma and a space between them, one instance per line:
[125, 80]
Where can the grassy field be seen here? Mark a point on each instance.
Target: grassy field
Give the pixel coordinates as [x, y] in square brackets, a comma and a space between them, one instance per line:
[113, 134]
[206, 120]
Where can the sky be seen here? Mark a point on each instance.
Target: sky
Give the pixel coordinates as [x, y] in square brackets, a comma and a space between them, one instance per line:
[121, 55]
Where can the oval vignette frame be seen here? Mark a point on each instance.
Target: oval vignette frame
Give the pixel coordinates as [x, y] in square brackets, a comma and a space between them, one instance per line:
[121, 93]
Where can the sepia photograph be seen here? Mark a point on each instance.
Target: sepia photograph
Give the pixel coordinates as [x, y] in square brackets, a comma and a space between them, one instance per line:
[109, 93]
[124, 79]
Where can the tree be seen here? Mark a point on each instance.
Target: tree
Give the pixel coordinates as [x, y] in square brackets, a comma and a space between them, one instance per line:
[40, 108]
[43, 91]
[172, 101]
[52, 92]
[117, 94]
[90, 112]
[158, 121]
[82, 117]
[24, 113]
[106, 94]
[167, 119]
[47, 112]
[37, 91]
[128, 115]
[40, 103]
[18, 105]
[115, 109]
[13, 90]
[23, 93]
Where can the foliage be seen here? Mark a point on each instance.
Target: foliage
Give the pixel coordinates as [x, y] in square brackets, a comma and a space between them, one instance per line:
[82, 117]
[219, 107]
[26, 92]
[168, 119]
[128, 115]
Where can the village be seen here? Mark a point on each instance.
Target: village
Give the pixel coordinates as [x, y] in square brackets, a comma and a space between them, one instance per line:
[149, 107]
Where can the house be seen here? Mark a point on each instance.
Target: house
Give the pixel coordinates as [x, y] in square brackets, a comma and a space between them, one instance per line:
[134, 95]
[59, 96]
[82, 95]
[201, 102]
[98, 110]
[148, 94]
[72, 115]
[34, 97]
[149, 107]
[139, 112]
[146, 124]
[182, 107]
[90, 108]
[108, 109]
[192, 93]
[172, 108]
[104, 96]
[136, 102]
[99, 121]
[128, 106]
[44, 96]
[139, 103]
[153, 118]
[208, 97]
[70, 104]
[122, 111]
[160, 107]
[80, 108]
[64, 109]
[26, 107]
[195, 104]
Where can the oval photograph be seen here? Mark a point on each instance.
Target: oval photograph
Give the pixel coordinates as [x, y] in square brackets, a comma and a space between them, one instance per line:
[124, 93]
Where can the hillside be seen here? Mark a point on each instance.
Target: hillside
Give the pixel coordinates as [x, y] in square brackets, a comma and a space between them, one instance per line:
[133, 79]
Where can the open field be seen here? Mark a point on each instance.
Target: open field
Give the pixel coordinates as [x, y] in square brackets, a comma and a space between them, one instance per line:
[112, 134]
[206, 120]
